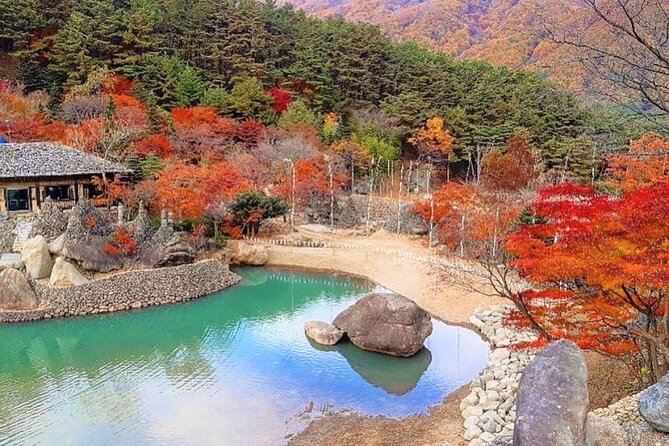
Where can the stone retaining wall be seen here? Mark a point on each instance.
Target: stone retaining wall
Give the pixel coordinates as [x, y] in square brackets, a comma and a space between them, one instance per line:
[130, 290]
[489, 410]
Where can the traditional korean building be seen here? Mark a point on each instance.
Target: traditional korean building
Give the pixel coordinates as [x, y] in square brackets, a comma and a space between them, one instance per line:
[32, 172]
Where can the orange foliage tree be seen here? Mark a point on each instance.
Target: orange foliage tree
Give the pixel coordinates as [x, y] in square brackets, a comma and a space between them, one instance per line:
[469, 218]
[510, 171]
[433, 141]
[187, 189]
[599, 270]
[646, 163]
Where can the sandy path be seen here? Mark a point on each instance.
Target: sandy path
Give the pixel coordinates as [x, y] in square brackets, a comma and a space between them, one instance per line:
[417, 280]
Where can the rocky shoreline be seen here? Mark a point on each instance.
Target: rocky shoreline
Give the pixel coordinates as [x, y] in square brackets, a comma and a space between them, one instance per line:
[125, 291]
[490, 408]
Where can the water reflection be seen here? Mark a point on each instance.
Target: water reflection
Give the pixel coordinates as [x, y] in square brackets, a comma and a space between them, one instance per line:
[397, 376]
[235, 365]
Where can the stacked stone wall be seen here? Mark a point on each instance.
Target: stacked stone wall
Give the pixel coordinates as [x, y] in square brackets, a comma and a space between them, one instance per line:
[129, 290]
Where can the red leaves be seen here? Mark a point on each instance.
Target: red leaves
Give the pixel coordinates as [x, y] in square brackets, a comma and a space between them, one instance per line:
[154, 144]
[281, 99]
[249, 133]
[187, 189]
[122, 243]
[594, 262]
[118, 85]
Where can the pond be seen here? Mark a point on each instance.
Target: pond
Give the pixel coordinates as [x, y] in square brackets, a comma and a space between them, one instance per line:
[232, 368]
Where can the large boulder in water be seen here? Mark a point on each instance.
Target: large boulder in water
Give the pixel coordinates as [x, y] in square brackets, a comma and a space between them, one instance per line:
[322, 333]
[16, 292]
[243, 253]
[36, 258]
[386, 323]
[654, 405]
[553, 398]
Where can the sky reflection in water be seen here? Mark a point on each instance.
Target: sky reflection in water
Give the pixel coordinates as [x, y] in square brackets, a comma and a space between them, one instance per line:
[233, 368]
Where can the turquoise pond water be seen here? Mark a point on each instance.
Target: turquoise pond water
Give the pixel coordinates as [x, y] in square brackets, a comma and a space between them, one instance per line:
[234, 368]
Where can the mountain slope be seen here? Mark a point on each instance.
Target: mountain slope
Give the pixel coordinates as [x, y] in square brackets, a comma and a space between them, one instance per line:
[503, 32]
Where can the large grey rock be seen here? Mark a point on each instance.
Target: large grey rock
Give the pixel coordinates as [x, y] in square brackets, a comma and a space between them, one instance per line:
[654, 405]
[65, 274]
[16, 292]
[243, 253]
[92, 255]
[386, 323]
[553, 398]
[602, 431]
[50, 221]
[84, 222]
[36, 258]
[166, 248]
[322, 332]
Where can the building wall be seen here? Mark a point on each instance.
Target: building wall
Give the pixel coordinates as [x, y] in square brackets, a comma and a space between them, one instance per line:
[37, 188]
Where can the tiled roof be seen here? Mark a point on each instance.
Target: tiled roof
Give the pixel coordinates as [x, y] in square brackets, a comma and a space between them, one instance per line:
[45, 159]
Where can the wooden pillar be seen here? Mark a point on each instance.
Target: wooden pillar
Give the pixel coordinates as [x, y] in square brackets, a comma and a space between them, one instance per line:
[3, 200]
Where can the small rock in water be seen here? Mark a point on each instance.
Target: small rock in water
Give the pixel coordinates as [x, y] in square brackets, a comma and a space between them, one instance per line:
[322, 332]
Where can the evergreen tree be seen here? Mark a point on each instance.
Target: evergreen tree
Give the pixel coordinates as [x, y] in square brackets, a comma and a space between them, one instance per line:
[189, 89]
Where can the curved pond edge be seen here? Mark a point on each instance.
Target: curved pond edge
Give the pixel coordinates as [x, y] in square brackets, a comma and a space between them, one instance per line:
[451, 403]
[294, 267]
[126, 291]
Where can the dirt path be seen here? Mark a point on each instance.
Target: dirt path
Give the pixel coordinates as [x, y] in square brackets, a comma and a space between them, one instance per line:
[417, 280]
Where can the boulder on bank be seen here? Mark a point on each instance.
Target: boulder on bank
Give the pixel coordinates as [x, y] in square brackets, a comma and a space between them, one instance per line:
[65, 274]
[386, 323]
[92, 255]
[654, 405]
[166, 248]
[10, 260]
[322, 333]
[16, 292]
[553, 398]
[243, 253]
[36, 258]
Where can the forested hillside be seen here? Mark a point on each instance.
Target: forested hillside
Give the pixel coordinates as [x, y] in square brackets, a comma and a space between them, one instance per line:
[503, 32]
[569, 40]
[229, 54]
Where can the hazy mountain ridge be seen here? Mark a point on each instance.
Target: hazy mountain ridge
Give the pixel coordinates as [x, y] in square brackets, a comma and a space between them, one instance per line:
[503, 32]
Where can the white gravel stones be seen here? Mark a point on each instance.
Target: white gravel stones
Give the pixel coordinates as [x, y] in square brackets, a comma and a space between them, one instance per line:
[627, 409]
[490, 408]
